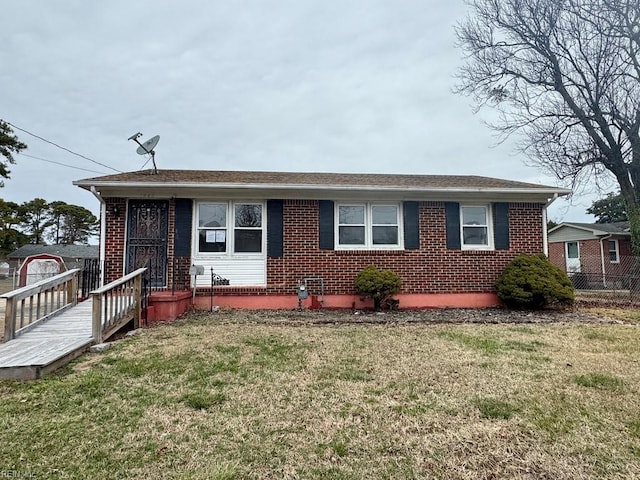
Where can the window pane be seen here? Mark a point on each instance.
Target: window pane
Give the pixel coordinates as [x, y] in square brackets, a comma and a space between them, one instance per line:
[212, 240]
[474, 215]
[572, 250]
[474, 235]
[351, 236]
[351, 215]
[385, 214]
[385, 235]
[613, 251]
[212, 215]
[248, 240]
[248, 215]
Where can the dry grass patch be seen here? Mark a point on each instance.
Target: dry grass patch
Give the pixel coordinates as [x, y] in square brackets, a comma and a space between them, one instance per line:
[229, 397]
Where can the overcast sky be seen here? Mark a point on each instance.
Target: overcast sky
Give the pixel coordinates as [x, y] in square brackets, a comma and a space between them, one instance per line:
[361, 86]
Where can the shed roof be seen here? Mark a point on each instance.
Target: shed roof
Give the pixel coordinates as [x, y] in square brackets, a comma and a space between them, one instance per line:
[65, 251]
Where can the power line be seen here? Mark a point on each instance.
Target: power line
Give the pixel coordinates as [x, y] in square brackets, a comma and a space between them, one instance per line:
[59, 163]
[61, 147]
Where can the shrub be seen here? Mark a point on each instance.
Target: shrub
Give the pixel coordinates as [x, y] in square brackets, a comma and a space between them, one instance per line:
[533, 282]
[379, 285]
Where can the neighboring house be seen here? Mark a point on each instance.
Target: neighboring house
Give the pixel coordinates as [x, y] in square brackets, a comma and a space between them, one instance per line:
[600, 252]
[448, 237]
[72, 255]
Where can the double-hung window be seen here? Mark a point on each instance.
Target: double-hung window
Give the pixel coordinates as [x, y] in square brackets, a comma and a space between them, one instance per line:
[247, 232]
[614, 254]
[361, 226]
[475, 225]
[212, 227]
[230, 227]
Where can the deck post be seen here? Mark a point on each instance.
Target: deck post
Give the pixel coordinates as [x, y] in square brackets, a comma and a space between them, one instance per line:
[10, 320]
[72, 290]
[96, 317]
[137, 295]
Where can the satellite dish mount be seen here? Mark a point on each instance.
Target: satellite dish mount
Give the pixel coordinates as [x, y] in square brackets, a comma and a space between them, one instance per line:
[147, 148]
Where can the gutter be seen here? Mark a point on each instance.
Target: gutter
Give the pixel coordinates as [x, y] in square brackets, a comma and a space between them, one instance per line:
[333, 187]
[604, 273]
[545, 236]
[103, 230]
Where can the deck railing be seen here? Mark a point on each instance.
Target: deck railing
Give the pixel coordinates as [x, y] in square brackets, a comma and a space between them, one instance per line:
[33, 304]
[116, 304]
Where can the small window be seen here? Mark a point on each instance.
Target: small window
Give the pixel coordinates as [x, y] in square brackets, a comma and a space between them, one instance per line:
[212, 227]
[614, 254]
[475, 226]
[384, 224]
[368, 226]
[351, 225]
[248, 228]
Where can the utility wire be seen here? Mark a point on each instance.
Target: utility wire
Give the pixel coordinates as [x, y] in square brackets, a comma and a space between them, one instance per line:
[59, 163]
[61, 147]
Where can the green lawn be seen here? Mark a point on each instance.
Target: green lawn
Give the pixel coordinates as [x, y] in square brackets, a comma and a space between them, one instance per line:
[228, 396]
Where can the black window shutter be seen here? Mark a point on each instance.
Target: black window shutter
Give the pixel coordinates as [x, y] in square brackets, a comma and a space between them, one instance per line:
[325, 226]
[411, 225]
[182, 233]
[275, 228]
[452, 215]
[501, 225]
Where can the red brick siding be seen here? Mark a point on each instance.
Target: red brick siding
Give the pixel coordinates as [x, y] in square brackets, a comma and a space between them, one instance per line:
[115, 241]
[431, 269]
[556, 254]
[591, 255]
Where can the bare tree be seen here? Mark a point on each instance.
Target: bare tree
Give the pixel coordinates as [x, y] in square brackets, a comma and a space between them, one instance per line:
[566, 75]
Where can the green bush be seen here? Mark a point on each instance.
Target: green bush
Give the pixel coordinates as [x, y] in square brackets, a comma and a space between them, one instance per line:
[379, 285]
[533, 282]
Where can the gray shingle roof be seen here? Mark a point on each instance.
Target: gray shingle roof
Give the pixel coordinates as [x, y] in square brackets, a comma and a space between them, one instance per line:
[64, 251]
[619, 228]
[301, 179]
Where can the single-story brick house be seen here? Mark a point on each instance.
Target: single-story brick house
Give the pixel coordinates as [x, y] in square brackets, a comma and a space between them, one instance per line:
[448, 237]
[599, 252]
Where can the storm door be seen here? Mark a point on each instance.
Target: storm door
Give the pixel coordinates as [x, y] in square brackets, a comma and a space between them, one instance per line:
[572, 251]
[147, 231]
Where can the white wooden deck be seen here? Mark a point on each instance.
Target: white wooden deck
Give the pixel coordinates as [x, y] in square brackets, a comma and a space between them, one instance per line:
[48, 345]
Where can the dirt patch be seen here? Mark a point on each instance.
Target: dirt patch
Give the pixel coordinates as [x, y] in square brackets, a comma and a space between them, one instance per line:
[431, 316]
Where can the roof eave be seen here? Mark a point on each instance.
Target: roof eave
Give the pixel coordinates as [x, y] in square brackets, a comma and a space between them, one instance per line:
[318, 187]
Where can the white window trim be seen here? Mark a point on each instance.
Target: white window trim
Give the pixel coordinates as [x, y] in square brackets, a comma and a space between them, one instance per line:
[489, 217]
[230, 228]
[368, 226]
[617, 249]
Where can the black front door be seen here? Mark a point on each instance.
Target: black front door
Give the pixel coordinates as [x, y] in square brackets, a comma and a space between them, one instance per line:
[147, 230]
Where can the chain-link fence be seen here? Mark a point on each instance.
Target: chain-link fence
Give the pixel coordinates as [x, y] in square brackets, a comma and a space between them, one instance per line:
[606, 281]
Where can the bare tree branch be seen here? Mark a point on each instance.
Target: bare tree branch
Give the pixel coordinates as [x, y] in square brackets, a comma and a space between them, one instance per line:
[565, 75]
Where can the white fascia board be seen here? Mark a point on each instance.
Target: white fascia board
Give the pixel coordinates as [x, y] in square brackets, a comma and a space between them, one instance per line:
[201, 190]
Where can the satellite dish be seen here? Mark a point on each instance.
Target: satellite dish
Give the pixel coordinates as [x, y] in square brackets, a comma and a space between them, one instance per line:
[148, 146]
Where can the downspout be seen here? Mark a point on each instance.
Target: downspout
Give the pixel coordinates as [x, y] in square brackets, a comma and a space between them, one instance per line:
[545, 240]
[103, 230]
[604, 272]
